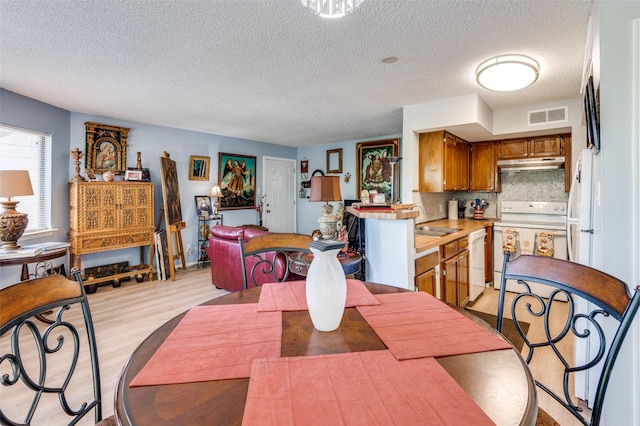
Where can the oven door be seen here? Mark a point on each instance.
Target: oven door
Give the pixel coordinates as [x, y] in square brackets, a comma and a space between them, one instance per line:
[559, 252]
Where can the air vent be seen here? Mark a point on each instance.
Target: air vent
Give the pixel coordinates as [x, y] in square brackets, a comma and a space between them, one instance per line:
[544, 116]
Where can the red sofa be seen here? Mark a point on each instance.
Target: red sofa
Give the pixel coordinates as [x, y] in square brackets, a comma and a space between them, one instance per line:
[224, 252]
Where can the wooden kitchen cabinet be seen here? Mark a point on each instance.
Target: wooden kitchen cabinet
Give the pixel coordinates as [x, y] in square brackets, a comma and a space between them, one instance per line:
[426, 278]
[443, 161]
[108, 216]
[544, 146]
[488, 254]
[454, 285]
[484, 175]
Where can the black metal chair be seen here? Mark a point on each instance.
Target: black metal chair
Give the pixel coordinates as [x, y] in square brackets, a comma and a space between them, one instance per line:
[268, 258]
[609, 297]
[35, 349]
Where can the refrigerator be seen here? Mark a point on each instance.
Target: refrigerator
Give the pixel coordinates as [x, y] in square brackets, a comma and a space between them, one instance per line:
[583, 234]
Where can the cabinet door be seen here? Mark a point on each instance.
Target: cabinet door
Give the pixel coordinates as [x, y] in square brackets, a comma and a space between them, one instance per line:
[514, 148]
[462, 272]
[134, 201]
[462, 165]
[431, 162]
[483, 167]
[448, 287]
[427, 282]
[449, 164]
[96, 205]
[488, 255]
[548, 146]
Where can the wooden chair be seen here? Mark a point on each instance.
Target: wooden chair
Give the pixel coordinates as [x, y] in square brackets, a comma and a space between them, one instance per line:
[609, 297]
[36, 349]
[266, 258]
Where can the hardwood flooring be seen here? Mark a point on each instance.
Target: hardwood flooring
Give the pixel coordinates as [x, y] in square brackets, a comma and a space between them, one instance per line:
[123, 317]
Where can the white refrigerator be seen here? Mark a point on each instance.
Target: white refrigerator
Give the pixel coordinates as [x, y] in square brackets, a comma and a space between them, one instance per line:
[583, 233]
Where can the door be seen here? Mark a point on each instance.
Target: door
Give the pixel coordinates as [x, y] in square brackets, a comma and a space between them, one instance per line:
[280, 194]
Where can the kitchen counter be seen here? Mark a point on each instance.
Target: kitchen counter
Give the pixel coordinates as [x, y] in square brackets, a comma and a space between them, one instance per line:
[384, 214]
[466, 226]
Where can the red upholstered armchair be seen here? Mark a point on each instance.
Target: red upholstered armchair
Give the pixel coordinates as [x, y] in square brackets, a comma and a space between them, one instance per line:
[224, 252]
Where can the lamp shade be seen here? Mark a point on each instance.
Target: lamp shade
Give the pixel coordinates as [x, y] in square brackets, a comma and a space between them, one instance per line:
[325, 188]
[215, 191]
[15, 183]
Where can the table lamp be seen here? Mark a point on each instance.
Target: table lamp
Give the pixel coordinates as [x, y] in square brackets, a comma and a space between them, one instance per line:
[13, 183]
[326, 188]
[216, 193]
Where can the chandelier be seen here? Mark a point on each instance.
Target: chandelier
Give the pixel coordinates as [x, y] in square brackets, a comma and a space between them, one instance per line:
[332, 8]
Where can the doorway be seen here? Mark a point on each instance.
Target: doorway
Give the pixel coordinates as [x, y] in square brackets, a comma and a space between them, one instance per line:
[279, 178]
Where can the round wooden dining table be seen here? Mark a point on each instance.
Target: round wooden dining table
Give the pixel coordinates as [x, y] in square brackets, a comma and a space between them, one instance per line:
[498, 381]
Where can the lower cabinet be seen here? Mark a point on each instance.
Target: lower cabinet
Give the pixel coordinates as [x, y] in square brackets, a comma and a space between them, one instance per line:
[454, 285]
[427, 273]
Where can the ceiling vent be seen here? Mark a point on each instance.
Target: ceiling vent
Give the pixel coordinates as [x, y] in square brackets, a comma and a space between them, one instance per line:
[545, 116]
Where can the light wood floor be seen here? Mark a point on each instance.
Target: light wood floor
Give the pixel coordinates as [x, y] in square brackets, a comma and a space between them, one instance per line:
[123, 317]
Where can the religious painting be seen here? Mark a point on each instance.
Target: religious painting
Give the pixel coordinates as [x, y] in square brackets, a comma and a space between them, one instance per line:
[106, 148]
[374, 171]
[237, 181]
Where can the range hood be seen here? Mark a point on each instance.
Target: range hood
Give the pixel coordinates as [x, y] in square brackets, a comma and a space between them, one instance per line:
[523, 164]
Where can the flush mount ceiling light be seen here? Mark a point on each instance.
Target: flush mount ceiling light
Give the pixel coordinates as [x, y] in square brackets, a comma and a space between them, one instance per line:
[505, 73]
[332, 8]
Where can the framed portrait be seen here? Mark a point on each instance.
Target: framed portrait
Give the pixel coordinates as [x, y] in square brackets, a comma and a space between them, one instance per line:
[373, 170]
[106, 148]
[133, 175]
[199, 167]
[203, 205]
[237, 181]
[334, 161]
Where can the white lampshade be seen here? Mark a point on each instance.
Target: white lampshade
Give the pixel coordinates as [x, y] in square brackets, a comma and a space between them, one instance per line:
[215, 191]
[506, 73]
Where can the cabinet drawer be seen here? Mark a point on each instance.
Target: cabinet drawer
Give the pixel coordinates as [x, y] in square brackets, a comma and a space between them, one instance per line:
[427, 262]
[450, 249]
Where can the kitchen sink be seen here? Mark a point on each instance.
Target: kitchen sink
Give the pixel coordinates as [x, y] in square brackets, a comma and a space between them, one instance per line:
[434, 231]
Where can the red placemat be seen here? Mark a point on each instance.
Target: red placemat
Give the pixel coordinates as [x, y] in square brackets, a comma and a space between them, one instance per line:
[291, 296]
[416, 324]
[361, 388]
[214, 343]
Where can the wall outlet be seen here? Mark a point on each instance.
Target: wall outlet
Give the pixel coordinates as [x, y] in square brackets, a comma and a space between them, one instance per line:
[189, 250]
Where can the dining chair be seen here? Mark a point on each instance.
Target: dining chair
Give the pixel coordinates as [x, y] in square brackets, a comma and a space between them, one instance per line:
[608, 297]
[47, 347]
[268, 258]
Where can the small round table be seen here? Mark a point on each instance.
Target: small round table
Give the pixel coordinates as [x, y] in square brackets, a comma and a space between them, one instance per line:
[24, 261]
[298, 263]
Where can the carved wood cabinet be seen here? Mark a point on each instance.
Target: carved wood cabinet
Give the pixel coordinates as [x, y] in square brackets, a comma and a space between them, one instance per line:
[108, 216]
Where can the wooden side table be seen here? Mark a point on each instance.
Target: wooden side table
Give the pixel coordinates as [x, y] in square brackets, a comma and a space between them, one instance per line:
[25, 261]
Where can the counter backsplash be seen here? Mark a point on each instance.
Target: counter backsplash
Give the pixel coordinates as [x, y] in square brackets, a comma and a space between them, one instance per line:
[544, 185]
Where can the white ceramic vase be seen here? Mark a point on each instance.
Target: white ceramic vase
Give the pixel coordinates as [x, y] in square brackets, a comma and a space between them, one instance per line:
[326, 290]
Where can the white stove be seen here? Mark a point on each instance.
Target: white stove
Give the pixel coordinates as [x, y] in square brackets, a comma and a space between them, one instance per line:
[527, 218]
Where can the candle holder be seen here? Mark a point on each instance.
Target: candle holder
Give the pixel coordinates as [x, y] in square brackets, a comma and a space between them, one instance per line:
[77, 155]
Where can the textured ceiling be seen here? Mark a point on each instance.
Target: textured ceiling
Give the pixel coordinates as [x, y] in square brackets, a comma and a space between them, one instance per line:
[271, 71]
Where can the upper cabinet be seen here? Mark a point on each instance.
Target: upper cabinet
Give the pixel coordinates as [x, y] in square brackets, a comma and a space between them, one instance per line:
[443, 163]
[545, 146]
[484, 175]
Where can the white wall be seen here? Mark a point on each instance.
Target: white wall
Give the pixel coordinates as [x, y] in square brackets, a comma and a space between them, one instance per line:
[615, 67]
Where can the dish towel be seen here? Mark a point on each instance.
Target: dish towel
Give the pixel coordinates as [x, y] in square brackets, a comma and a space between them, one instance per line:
[509, 240]
[544, 243]
[526, 240]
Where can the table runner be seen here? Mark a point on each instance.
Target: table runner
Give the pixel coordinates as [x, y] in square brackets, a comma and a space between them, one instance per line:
[291, 296]
[365, 388]
[416, 324]
[214, 343]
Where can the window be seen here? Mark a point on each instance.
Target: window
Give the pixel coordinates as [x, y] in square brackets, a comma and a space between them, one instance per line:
[27, 150]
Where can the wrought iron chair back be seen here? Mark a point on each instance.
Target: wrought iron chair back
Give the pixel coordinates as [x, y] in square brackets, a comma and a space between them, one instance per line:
[267, 257]
[609, 297]
[36, 346]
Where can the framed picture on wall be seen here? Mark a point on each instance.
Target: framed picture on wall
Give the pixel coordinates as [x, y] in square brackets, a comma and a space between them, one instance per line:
[237, 181]
[374, 172]
[106, 148]
[199, 167]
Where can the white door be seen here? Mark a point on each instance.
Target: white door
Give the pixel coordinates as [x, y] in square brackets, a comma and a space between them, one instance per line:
[280, 194]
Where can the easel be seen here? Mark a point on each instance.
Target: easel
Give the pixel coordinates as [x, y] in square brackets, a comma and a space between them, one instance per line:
[172, 212]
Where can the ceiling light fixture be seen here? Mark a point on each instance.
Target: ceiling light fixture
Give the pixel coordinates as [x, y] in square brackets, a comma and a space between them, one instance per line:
[332, 8]
[506, 73]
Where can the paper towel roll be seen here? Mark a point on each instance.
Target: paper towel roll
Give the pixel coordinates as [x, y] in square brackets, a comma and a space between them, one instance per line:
[453, 209]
